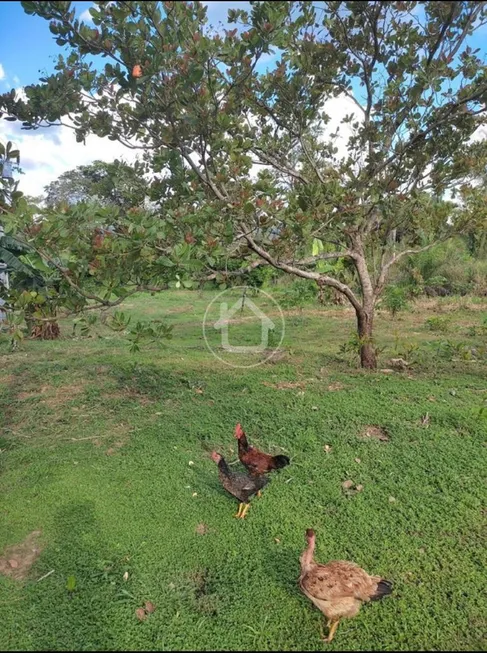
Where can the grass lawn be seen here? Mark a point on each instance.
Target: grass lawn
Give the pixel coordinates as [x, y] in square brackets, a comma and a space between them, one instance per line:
[106, 453]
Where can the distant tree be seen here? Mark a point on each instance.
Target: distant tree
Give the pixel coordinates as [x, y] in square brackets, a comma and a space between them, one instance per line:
[115, 183]
[202, 110]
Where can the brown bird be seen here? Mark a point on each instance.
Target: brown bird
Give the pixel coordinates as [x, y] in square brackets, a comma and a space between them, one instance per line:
[338, 588]
[241, 486]
[257, 462]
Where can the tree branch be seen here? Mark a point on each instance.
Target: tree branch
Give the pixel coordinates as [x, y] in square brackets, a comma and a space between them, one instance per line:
[379, 286]
[305, 274]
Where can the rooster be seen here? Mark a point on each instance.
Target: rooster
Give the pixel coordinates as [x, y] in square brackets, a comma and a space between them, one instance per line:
[337, 588]
[257, 462]
[241, 486]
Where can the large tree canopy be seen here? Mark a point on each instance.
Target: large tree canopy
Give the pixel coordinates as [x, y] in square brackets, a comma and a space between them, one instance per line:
[109, 184]
[246, 156]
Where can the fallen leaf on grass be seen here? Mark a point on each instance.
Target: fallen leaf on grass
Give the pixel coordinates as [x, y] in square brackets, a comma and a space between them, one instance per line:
[327, 448]
[149, 607]
[357, 460]
[375, 432]
[140, 614]
[126, 576]
[350, 488]
[392, 500]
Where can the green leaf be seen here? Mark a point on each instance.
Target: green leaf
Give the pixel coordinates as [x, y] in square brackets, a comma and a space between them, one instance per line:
[13, 262]
[318, 246]
[71, 583]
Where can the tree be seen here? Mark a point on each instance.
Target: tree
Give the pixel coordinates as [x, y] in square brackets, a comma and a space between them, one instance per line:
[201, 108]
[115, 183]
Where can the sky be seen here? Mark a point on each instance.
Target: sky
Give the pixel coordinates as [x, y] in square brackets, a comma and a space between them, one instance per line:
[28, 50]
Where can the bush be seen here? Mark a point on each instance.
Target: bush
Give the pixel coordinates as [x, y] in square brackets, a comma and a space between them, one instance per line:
[447, 269]
[395, 299]
[438, 324]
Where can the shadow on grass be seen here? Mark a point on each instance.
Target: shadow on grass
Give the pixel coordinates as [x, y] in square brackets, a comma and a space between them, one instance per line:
[78, 619]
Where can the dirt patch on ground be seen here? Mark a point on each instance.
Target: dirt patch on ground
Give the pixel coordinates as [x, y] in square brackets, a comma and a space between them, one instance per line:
[103, 369]
[19, 558]
[187, 308]
[336, 386]
[275, 356]
[53, 396]
[8, 380]
[202, 529]
[123, 436]
[285, 385]
[115, 447]
[373, 432]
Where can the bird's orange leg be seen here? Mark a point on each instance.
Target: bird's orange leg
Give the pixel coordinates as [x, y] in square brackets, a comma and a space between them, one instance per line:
[239, 513]
[244, 512]
[332, 631]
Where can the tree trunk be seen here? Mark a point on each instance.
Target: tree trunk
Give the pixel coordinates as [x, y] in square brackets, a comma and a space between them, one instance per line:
[45, 330]
[368, 356]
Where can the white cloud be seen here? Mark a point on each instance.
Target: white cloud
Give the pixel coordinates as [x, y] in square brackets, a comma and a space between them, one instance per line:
[2, 72]
[86, 16]
[47, 153]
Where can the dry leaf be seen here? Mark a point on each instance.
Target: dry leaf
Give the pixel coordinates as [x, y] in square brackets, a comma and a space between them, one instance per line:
[375, 432]
[314, 407]
[277, 540]
[425, 420]
[357, 460]
[327, 448]
[392, 500]
[199, 391]
[140, 614]
[13, 563]
[346, 485]
[195, 494]
[149, 607]
[191, 462]
[126, 576]
[359, 488]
